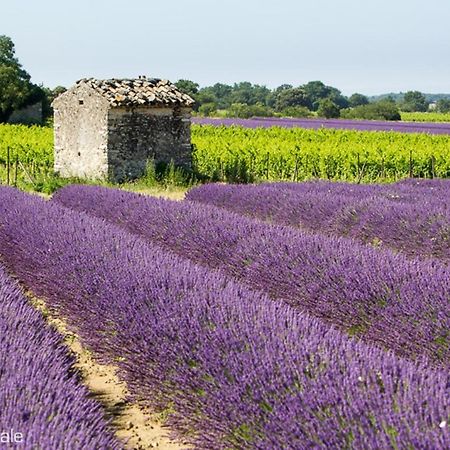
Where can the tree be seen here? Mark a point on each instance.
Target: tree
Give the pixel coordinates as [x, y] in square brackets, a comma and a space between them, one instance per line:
[317, 91]
[16, 89]
[245, 111]
[292, 97]
[414, 101]
[272, 97]
[188, 87]
[207, 109]
[249, 94]
[205, 95]
[389, 99]
[222, 93]
[382, 110]
[443, 105]
[328, 109]
[295, 111]
[242, 93]
[357, 100]
[48, 96]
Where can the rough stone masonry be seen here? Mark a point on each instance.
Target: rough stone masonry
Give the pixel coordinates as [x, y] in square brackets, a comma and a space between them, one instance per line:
[110, 129]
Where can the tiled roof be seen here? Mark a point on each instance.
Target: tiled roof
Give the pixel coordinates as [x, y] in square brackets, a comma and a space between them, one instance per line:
[139, 92]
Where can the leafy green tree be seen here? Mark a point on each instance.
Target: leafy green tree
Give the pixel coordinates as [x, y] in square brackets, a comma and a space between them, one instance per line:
[242, 93]
[317, 91]
[287, 98]
[245, 111]
[414, 101]
[328, 109]
[382, 110]
[16, 89]
[389, 99]
[295, 111]
[207, 109]
[239, 110]
[283, 87]
[443, 105]
[272, 97]
[188, 87]
[205, 95]
[357, 100]
[222, 93]
[48, 96]
[249, 94]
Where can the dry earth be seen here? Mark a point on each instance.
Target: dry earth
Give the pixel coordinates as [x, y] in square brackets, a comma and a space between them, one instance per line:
[134, 425]
[139, 428]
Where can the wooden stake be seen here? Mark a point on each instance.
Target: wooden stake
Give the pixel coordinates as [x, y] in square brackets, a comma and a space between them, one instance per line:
[15, 170]
[8, 158]
[410, 165]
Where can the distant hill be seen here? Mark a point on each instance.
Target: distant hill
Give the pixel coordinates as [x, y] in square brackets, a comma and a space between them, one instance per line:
[398, 96]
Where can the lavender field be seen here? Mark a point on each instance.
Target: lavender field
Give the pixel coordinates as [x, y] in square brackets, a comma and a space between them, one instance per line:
[411, 217]
[340, 124]
[254, 317]
[42, 403]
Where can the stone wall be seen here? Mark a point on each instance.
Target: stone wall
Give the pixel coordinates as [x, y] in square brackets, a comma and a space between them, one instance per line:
[139, 134]
[81, 133]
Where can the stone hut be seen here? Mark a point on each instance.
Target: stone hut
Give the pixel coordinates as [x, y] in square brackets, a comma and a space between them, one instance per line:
[109, 129]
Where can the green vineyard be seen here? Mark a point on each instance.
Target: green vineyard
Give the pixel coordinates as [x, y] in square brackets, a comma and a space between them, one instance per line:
[237, 154]
[425, 117]
[244, 154]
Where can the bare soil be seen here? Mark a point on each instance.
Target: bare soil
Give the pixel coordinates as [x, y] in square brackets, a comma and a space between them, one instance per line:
[132, 424]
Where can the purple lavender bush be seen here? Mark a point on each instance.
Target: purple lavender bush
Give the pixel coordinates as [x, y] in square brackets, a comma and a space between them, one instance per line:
[408, 189]
[413, 219]
[379, 296]
[42, 403]
[236, 369]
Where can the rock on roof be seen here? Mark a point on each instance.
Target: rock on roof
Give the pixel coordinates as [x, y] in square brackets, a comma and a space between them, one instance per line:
[139, 92]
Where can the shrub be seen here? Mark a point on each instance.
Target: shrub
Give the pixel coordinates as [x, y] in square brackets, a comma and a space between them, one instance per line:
[382, 110]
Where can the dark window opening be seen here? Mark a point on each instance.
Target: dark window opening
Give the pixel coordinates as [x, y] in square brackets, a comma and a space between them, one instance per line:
[81, 102]
[79, 154]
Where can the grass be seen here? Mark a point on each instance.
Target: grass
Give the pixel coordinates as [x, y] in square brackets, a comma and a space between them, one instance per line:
[161, 181]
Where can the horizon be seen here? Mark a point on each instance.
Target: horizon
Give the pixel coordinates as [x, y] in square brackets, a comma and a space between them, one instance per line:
[371, 49]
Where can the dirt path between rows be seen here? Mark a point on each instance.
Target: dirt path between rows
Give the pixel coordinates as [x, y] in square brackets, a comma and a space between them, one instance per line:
[138, 428]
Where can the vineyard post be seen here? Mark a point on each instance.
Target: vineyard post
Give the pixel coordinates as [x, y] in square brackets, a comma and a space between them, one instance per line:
[8, 157]
[410, 164]
[358, 163]
[296, 168]
[15, 170]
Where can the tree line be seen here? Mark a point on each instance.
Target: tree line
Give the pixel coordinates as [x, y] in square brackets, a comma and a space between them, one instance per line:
[242, 99]
[313, 98]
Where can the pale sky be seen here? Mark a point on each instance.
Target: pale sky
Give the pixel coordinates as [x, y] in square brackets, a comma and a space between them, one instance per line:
[369, 47]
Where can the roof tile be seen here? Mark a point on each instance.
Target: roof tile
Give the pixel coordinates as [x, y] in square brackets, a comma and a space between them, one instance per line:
[139, 92]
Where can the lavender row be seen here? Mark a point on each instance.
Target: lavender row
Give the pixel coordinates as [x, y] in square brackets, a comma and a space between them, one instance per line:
[42, 404]
[360, 125]
[416, 224]
[241, 370]
[384, 298]
[405, 190]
